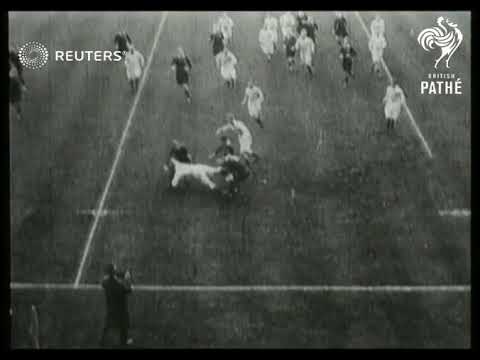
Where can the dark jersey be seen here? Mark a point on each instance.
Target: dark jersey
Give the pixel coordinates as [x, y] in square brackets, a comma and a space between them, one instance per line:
[340, 26]
[311, 28]
[181, 154]
[290, 46]
[122, 40]
[217, 43]
[14, 60]
[224, 150]
[116, 300]
[182, 66]
[301, 23]
[347, 57]
[237, 168]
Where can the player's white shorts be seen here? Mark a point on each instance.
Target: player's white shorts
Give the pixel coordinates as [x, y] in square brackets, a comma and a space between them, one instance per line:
[267, 48]
[245, 142]
[275, 36]
[217, 59]
[134, 73]
[306, 58]
[392, 110]
[254, 108]
[377, 56]
[228, 72]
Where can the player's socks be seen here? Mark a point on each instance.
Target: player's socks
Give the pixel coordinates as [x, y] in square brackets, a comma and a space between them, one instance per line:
[259, 122]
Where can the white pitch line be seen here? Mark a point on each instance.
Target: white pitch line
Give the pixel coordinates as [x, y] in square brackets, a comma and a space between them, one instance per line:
[407, 109]
[455, 212]
[255, 288]
[101, 204]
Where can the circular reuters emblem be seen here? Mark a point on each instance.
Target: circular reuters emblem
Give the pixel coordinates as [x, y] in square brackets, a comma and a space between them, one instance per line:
[33, 55]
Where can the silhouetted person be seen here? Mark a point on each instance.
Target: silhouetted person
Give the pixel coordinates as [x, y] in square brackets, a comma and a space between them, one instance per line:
[117, 287]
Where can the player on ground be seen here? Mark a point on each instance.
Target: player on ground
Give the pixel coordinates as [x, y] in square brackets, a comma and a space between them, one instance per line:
[340, 27]
[182, 66]
[347, 53]
[228, 61]
[178, 152]
[377, 26]
[271, 23]
[393, 100]
[290, 42]
[287, 24]
[267, 42]
[235, 169]
[244, 137]
[377, 45]
[306, 48]
[134, 63]
[254, 99]
[216, 38]
[226, 24]
[122, 42]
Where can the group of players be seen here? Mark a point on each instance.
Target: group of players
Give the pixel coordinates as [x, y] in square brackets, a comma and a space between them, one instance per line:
[298, 32]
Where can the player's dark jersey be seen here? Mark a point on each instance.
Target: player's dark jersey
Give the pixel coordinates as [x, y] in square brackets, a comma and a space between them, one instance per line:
[224, 150]
[182, 66]
[116, 301]
[347, 57]
[180, 154]
[122, 40]
[290, 46]
[14, 60]
[311, 28]
[237, 168]
[340, 26]
[301, 22]
[217, 43]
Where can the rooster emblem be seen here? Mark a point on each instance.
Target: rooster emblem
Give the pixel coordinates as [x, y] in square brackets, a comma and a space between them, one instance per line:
[438, 36]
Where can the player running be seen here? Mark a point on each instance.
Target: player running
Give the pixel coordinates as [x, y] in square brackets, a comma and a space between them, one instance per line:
[244, 137]
[182, 66]
[267, 41]
[228, 61]
[290, 42]
[225, 23]
[287, 24]
[302, 20]
[306, 48]
[216, 38]
[393, 100]
[340, 27]
[347, 53]
[377, 45]
[134, 64]
[254, 99]
[377, 26]
[311, 27]
[271, 23]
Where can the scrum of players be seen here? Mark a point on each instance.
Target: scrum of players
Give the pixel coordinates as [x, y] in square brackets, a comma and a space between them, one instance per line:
[298, 34]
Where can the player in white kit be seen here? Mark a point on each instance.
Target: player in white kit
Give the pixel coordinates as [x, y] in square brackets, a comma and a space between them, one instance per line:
[288, 24]
[271, 23]
[254, 99]
[306, 48]
[228, 61]
[393, 100]
[377, 45]
[266, 39]
[134, 63]
[226, 24]
[377, 26]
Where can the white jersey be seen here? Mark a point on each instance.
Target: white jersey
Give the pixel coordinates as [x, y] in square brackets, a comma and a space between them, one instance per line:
[376, 45]
[254, 94]
[306, 48]
[227, 63]
[134, 63]
[267, 40]
[244, 136]
[287, 22]
[394, 98]
[271, 23]
[377, 26]
[225, 23]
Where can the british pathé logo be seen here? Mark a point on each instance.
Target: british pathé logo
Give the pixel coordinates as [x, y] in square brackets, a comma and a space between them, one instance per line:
[446, 36]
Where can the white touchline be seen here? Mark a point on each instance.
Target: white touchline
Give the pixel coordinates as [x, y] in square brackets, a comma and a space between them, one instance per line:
[407, 109]
[101, 204]
[253, 288]
[455, 212]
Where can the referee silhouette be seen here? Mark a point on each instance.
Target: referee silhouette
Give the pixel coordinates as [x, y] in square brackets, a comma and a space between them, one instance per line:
[117, 287]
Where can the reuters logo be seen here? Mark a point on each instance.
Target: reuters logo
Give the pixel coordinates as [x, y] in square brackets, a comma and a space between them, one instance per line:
[33, 55]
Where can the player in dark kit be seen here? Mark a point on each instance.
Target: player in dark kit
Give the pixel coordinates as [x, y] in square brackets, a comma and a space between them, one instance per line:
[224, 149]
[302, 20]
[311, 27]
[216, 38]
[182, 66]
[178, 152]
[340, 28]
[236, 170]
[347, 53]
[123, 42]
[290, 42]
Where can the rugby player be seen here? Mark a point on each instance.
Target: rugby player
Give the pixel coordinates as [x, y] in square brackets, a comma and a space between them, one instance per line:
[134, 63]
[340, 27]
[347, 53]
[254, 99]
[182, 66]
[306, 48]
[228, 61]
[393, 100]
